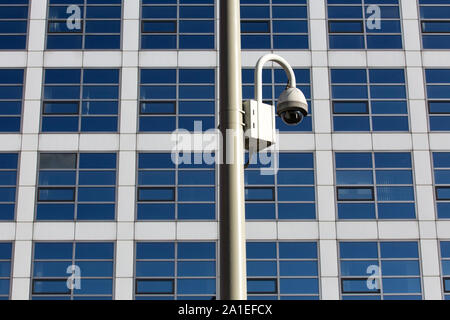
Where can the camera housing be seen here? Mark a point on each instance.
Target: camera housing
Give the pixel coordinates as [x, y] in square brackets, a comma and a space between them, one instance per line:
[292, 106]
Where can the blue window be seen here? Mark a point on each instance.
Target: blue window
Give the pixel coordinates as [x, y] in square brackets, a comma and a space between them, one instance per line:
[441, 165]
[77, 100]
[282, 270]
[73, 271]
[175, 271]
[5, 269]
[274, 24]
[435, 23]
[182, 188]
[364, 24]
[369, 100]
[177, 24]
[374, 186]
[76, 186]
[11, 98]
[438, 95]
[380, 270]
[280, 188]
[8, 184]
[274, 82]
[81, 24]
[13, 24]
[173, 99]
[445, 268]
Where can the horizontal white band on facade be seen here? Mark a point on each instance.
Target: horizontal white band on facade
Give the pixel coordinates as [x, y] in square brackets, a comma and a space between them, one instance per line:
[207, 141]
[208, 230]
[209, 58]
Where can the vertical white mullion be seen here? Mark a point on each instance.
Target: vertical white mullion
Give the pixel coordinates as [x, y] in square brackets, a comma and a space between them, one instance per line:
[124, 270]
[429, 249]
[126, 166]
[21, 271]
[422, 154]
[324, 174]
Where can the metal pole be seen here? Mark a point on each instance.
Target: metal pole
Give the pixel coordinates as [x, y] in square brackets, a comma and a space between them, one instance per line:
[233, 273]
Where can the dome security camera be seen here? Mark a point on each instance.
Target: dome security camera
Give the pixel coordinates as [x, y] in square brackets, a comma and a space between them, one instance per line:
[292, 106]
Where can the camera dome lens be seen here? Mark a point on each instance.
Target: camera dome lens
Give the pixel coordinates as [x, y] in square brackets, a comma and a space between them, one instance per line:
[292, 117]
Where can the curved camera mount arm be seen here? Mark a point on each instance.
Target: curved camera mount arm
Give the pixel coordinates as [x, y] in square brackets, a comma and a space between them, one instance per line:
[259, 70]
[258, 83]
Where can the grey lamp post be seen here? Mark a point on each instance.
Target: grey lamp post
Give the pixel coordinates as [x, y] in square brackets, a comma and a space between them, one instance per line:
[233, 282]
[292, 107]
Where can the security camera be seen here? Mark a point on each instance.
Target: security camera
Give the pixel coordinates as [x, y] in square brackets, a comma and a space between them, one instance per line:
[292, 106]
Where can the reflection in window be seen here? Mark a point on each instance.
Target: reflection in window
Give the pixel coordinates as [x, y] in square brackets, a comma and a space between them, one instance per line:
[13, 24]
[78, 24]
[274, 24]
[173, 99]
[55, 262]
[380, 270]
[288, 193]
[352, 24]
[8, 183]
[374, 186]
[282, 270]
[77, 100]
[177, 24]
[274, 83]
[183, 189]
[5, 269]
[438, 95]
[76, 187]
[355, 193]
[435, 23]
[369, 100]
[175, 271]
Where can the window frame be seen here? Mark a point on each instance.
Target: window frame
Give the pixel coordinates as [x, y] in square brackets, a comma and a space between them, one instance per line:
[267, 22]
[436, 185]
[364, 33]
[378, 291]
[136, 281]
[355, 188]
[176, 169]
[175, 295]
[83, 26]
[429, 100]
[80, 116]
[11, 261]
[261, 199]
[279, 276]
[77, 186]
[421, 21]
[277, 185]
[444, 291]
[370, 100]
[274, 280]
[22, 99]
[177, 115]
[27, 20]
[272, 34]
[381, 277]
[177, 20]
[72, 261]
[16, 186]
[143, 21]
[375, 185]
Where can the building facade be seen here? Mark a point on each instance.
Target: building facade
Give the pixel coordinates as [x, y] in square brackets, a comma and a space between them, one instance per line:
[93, 204]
